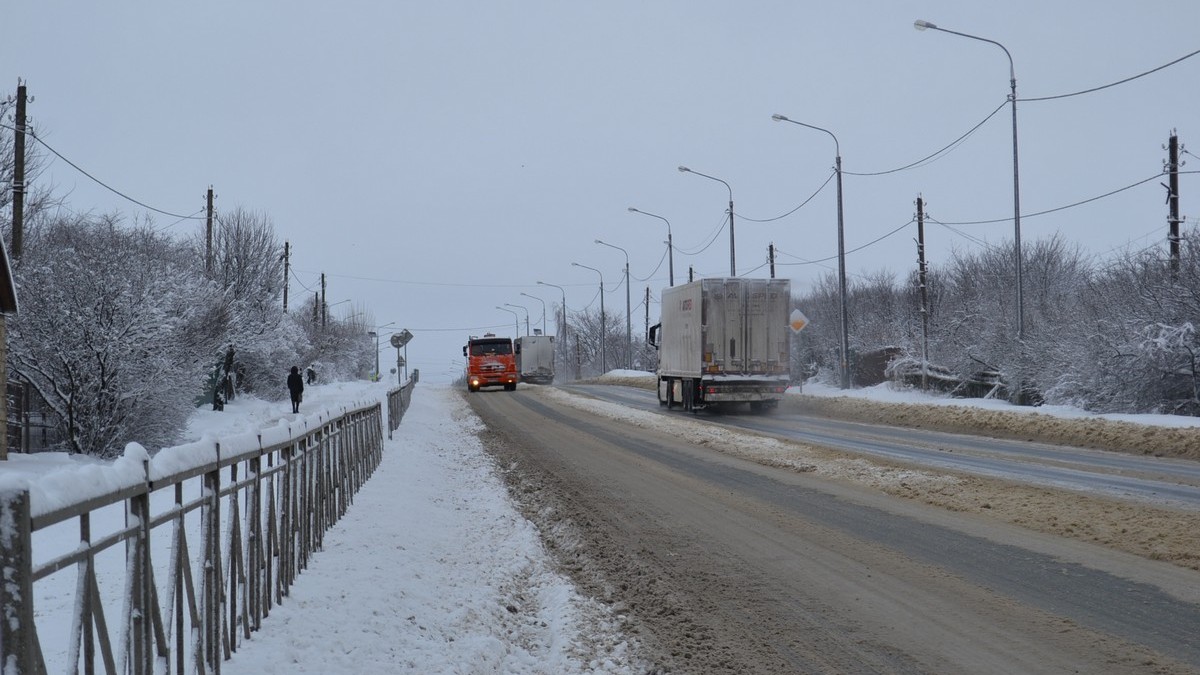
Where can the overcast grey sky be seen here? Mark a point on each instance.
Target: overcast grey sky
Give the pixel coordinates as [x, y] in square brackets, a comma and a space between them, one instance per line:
[436, 159]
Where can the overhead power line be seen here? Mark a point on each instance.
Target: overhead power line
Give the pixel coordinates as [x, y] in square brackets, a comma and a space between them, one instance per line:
[1111, 84]
[1058, 208]
[931, 157]
[99, 182]
[806, 201]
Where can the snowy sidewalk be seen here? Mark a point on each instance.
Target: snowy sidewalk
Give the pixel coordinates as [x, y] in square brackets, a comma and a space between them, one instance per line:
[433, 570]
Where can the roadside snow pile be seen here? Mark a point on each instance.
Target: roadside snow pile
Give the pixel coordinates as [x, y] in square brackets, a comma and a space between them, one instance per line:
[434, 570]
[760, 449]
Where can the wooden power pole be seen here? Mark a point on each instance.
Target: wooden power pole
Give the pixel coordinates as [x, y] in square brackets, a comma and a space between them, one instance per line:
[286, 259]
[1173, 199]
[18, 186]
[924, 289]
[208, 231]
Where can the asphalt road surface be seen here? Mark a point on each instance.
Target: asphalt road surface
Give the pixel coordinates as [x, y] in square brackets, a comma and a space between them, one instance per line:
[1132, 477]
[727, 566]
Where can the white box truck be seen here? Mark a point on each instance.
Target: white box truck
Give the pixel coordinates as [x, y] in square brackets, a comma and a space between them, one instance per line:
[724, 341]
[535, 358]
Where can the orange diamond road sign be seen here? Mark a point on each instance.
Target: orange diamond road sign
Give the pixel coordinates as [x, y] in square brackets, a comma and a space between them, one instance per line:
[798, 321]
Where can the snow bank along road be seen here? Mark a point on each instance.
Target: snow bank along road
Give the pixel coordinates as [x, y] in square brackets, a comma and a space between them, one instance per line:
[731, 565]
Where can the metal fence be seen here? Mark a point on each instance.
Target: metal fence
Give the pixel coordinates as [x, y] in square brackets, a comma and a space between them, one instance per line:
[398, 400]
[193, 575]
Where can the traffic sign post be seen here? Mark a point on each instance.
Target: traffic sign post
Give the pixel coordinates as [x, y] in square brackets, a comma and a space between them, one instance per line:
[798, 321]
[399, 340]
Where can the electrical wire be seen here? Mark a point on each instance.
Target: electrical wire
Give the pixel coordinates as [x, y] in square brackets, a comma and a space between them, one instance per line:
[656, 268]
[853, 250]
[931, 158]
[425, 283]
[163, 227]
[810, 198]
[1112, 84]
[804, 261]
[1059, 208]
[97, 180]
[705, 247]
[964, 235]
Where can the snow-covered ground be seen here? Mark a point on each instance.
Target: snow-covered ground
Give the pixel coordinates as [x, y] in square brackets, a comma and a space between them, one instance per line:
[433, 570]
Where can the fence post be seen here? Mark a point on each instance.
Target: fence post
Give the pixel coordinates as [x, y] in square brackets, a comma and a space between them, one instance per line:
[16, 592]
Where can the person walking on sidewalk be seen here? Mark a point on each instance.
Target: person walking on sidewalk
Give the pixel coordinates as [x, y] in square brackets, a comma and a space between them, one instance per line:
[295, 385]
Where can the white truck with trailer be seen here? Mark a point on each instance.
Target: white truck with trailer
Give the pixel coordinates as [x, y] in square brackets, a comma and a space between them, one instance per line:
[724, 341]
[535, 358]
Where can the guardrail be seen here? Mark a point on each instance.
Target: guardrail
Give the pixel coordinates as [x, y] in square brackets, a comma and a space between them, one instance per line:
[261, 505]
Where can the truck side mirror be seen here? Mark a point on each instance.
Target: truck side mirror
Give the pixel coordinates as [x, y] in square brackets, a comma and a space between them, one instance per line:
[653, 339]
[464, 350]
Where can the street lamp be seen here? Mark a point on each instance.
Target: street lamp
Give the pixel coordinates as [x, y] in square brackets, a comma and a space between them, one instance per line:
[516, 319]
[732, 261]
[603, 328]
[920, 24]
[628, 309]
[670, 246]
[543, 310]
[375, 334]
[562, 332]
[841, 234]
[509, 304]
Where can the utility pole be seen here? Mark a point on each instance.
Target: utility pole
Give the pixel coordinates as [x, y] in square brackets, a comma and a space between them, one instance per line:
[924, 289]
[208, 256]
[691, 274]
[316, 308]
[646, 335]
[771, 257]
[18, 186]
[1173, 199]
[324, 307]
[286, 260]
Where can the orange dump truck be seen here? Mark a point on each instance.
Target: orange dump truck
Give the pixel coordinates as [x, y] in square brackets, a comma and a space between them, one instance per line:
[490, 363]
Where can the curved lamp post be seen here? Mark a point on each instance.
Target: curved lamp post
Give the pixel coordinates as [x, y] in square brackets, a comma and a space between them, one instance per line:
[921, 24]
[603, 327]
[543, 310]
[375, 334]
[516, 319]
[670, 246]
[841, 235]
[562, 332]
[732, 260]
[509, 304]
[628, 308]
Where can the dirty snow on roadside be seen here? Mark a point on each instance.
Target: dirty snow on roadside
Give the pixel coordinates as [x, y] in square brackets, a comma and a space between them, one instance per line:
[761, 449]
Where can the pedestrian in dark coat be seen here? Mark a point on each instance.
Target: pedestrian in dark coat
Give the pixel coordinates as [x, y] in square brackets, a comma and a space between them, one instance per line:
[296, 386]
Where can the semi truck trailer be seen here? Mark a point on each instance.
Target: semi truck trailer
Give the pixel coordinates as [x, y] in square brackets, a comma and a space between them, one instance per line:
[535, 358]
[722, 342]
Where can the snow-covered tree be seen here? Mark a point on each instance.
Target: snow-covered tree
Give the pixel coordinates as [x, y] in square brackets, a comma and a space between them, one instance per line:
[247, 281]
[112, 332]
